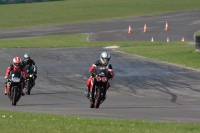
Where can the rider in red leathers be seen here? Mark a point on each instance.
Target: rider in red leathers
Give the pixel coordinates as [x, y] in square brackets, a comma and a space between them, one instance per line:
[16, 66]
[104, 61]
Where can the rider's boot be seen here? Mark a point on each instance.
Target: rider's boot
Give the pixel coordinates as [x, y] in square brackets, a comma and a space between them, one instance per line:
[33, 83]
[104, 98]
[35, 76]
[87, 92]
[22, 93]
[5, 92]
[106, 91]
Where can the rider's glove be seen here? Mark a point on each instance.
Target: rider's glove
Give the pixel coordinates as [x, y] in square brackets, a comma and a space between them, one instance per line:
[6, 77]
[91, 74]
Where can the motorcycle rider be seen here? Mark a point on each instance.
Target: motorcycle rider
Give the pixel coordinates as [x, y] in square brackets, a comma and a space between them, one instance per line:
[30, 62]
[16, 66]
[104, 61]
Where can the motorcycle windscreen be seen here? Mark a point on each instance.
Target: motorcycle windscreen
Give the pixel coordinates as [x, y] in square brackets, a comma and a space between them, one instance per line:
[15, 76]
[101, 70]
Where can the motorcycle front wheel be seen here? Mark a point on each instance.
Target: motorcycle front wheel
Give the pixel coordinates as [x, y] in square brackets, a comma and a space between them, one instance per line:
[14, 98]
[97, 98]
[28, 84]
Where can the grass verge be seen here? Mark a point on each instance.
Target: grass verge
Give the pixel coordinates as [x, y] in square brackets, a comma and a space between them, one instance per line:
[19, 122]
[181, 53]
[198, 33]
[71, 11]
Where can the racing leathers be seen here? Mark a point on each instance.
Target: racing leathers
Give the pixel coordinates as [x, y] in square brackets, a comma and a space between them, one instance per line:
[31, 62]
[98, 63]
[12, 68]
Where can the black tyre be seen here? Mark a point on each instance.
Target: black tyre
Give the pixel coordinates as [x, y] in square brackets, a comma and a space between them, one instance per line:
[15, 97]
[92, 102]
[97, 98]
[28, 87]
[91, 105]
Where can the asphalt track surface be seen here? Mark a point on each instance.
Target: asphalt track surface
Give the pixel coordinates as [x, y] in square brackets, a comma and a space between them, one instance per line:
[141, 89]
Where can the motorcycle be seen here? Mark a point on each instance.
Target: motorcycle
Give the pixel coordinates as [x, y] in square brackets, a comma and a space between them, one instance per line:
[15, 82]
[100, 81]
[29, 79]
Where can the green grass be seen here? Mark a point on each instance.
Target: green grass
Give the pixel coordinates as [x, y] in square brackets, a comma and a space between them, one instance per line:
[77, 40]
[181, 53]
[198, 33]
[69, 40]
[18, 122]
[71, 11]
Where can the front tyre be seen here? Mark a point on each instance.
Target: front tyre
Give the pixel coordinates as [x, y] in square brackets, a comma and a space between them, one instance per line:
[92, 99]
[97, 98]
[14, 98]
[28, 84]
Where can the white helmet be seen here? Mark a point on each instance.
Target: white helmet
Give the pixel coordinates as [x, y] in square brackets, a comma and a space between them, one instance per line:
[105, 58]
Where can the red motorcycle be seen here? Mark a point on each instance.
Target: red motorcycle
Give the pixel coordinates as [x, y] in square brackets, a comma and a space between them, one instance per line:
[99, 82]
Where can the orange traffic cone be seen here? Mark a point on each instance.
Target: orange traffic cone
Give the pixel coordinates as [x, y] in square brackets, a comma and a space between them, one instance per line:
[129, 30]
[167, 39]
[182, 39]
[166, 26]
[152, 39]
[145, 27]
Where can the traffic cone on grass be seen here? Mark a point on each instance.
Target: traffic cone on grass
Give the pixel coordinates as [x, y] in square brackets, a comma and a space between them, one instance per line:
[152, 39]
[182, 39]
[167, 39]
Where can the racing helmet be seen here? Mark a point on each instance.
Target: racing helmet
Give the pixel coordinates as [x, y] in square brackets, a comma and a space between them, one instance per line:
[27, 57]
[105, 58]
[17, 62]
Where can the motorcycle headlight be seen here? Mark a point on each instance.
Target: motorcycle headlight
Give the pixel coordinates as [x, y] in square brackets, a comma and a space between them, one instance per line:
[104, 79]
[98, 78]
